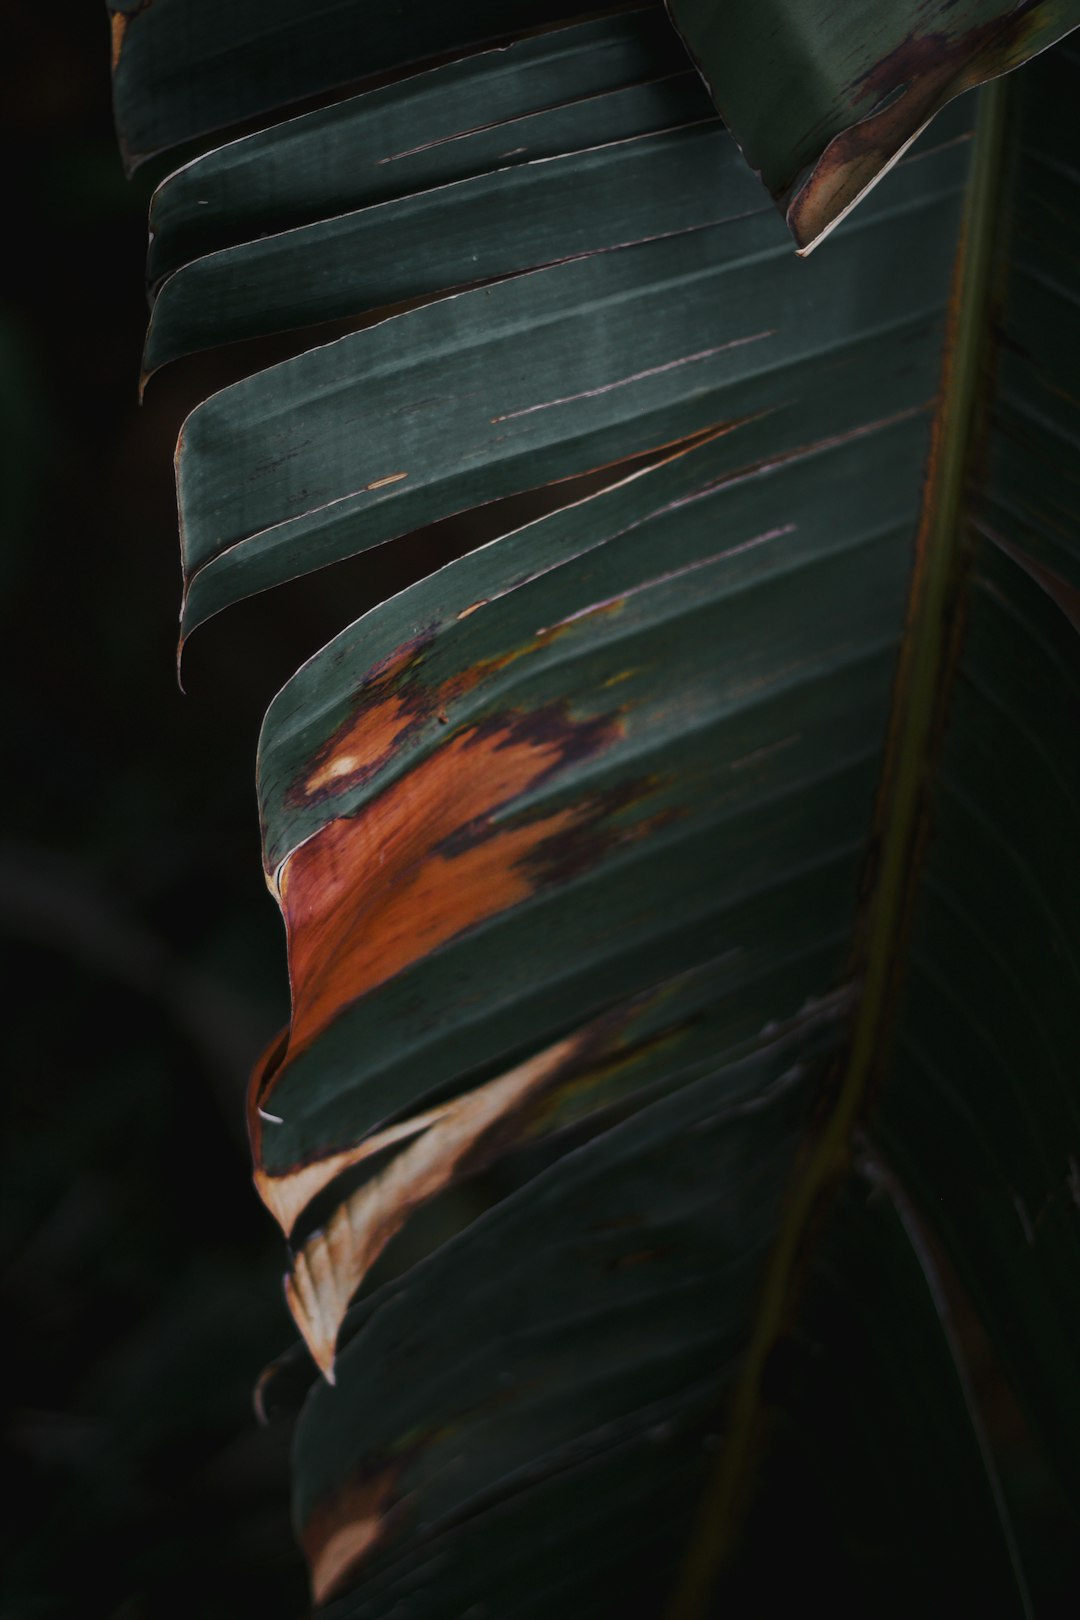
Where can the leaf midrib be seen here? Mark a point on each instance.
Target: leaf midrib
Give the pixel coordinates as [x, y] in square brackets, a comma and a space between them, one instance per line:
[928, 651]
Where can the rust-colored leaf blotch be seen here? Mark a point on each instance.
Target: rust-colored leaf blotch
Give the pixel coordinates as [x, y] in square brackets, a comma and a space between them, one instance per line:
[436, 853]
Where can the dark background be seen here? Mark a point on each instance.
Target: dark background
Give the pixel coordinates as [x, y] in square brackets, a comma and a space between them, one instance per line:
[144, 962]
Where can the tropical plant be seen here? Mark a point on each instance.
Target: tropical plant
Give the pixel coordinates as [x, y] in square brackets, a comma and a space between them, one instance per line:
[677, 1133]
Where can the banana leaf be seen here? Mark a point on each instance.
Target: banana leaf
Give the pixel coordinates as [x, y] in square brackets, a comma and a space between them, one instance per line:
[694, 862]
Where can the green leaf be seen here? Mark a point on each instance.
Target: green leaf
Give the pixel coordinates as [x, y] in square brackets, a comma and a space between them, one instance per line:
[476, 230]
[592, 1313]
[536, 378]
[599, 1526]
[659, 869]
[823, 99]
[994, 966]
[182, 68]
[530, 100]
